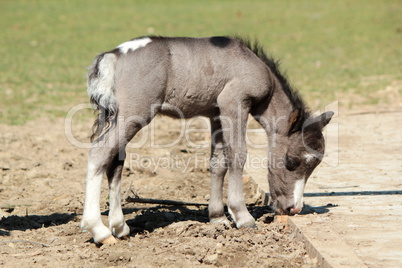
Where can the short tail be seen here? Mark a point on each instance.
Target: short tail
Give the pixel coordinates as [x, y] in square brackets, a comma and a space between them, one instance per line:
[101, 82]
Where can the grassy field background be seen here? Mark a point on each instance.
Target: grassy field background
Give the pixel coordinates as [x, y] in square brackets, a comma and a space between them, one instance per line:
[349, 51]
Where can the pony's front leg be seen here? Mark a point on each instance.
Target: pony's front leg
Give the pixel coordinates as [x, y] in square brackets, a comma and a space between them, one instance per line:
[218, 167]
[116, 219]
[236, 203]
[234, 125]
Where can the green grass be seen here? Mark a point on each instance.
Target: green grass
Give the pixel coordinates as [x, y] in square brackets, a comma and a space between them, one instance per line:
[329, 49]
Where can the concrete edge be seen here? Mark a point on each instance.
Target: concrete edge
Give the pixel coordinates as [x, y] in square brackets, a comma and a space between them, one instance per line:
[320, 241]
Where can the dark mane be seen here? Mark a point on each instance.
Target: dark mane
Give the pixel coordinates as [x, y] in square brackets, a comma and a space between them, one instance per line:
[273, 65]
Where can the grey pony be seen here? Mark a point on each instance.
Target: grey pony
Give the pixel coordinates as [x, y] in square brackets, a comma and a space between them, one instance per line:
[222, 78]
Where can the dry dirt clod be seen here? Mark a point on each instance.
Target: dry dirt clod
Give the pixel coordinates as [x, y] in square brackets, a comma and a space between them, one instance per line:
[246, 179]
[219, 245]
[211, 259]
[281, 219]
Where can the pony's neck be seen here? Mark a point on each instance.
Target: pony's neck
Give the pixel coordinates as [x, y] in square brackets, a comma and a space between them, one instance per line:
[275, 118]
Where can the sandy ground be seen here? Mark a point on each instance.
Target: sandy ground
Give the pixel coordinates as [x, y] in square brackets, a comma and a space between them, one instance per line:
[42, 175]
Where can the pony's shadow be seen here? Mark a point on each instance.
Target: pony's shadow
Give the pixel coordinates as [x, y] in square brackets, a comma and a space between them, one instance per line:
[161, 216]
[23, 223]
[150, 218]
[307, 209]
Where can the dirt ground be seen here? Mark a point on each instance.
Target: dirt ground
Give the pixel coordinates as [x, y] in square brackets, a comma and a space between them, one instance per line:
[42, 171]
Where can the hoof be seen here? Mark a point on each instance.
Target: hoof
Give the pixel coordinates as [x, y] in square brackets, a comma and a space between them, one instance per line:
[121, 232]
[247, 223]
[108, 240]
[220, 220]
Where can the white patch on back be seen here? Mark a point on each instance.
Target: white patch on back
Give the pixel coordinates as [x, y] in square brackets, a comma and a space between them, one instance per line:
[309, 157]
[298, 193]
[134, 44]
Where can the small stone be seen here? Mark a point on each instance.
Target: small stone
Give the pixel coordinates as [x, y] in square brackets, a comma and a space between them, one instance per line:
[3, 214]
[19, 211]
[211, 259]
[219, 248]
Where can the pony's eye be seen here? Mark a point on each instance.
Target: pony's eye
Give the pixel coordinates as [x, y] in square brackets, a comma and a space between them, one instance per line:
[292, 163]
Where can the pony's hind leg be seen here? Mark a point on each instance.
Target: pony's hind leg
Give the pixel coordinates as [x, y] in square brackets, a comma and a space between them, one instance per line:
[107, 155]
[100, 156]
[116, 219]
[218, 167]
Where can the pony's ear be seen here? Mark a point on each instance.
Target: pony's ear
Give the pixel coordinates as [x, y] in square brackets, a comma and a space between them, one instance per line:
[318, 122]
[295, 121]
[324, 118]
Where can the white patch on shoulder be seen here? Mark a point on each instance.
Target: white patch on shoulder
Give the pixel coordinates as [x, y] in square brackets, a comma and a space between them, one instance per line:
[309, 157]
[134, 44]
[298, 193]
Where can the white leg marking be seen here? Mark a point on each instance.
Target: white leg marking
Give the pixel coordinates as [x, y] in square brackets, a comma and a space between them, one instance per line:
[91, 219]
[134, 44]
[244, 219]
[309, 157]
[298, 193]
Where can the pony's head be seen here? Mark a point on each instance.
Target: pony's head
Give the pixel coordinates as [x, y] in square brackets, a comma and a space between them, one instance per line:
[294, 154]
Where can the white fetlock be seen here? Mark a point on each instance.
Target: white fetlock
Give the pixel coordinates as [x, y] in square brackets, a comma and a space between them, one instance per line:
[246, 222]
[102, 235]
[243, 220]
[121, 232]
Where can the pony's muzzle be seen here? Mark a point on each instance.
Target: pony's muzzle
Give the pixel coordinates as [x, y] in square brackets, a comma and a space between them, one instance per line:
[294, 211]
[288, 211]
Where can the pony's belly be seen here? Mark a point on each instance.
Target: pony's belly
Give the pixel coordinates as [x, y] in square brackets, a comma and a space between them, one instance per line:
[189, 109]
